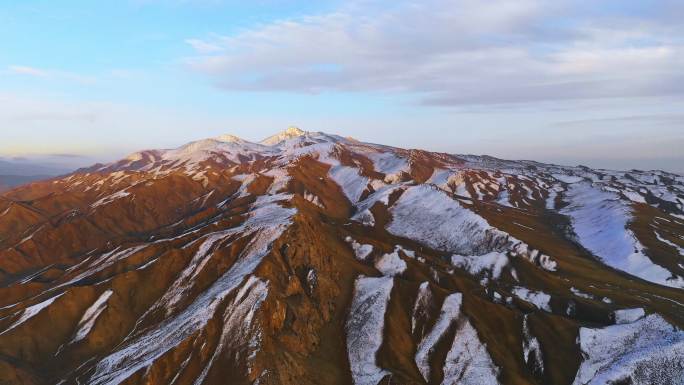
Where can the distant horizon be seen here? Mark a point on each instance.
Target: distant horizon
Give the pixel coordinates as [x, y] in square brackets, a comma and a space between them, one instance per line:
[563, 82]
[66, 163]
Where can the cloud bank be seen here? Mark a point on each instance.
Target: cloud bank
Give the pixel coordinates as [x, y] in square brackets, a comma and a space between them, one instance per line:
[451, 53]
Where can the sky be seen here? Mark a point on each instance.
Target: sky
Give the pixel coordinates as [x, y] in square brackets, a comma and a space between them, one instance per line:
[596, 83]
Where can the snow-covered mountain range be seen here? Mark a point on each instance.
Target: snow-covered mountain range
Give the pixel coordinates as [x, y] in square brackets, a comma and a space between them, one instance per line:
[312, 258]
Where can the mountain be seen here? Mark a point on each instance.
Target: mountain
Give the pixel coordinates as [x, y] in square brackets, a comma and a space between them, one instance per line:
[310, 258]
[17, 172]
[29, 168]
[9, 181]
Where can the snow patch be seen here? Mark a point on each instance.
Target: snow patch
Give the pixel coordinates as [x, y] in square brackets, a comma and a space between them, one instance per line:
[360, 251]
[348, 178]
[599, 220]
[581, 294]
[365, 328]
[240, 327]
[313, 198]
[679, 249]
[391, 264]
[422, 305]
[537, 298]
[626, 316]
[111, 198]
[468, 362]
[363, 213]
[90, 316]
[567, 178]
[388, 163]
[648, 351]
[31, 311]
[531, 348]
[451, 310]
[491, 263]
[426, 214]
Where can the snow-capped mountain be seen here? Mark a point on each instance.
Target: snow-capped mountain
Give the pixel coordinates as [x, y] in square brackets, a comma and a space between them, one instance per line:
[310, 258]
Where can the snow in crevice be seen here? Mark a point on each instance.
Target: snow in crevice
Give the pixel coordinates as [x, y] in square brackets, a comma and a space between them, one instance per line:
[450, 312]
[599, 222]
[180, 370]
[148, 264]
[553, 193]
[188, 275]
[202, 178]
[240, 331]
[363, 213]
[266, 223]
[531, 348]
[30, 277]
[421, 308]
[503, 198]
[9, 207]
[281, 178]
[365, 325]
[680, 250]
[462, 190]
[111, 198]
[468, 362]
[311, 280]
[645, 352]
[91, 314]
[102, 262]
[31, 311]
[245, 181]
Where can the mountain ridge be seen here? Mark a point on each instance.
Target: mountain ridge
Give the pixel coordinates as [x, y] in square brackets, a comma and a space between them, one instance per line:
[323, 259]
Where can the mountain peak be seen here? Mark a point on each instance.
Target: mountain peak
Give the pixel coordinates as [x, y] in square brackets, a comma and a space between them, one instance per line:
[289, 133]
[295, 131]
[228, 138]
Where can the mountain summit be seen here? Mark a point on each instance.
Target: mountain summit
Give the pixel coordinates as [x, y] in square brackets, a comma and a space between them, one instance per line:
[289, 133]
[309, 258]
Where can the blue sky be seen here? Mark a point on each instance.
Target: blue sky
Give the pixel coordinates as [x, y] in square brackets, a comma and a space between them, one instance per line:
[595, 83]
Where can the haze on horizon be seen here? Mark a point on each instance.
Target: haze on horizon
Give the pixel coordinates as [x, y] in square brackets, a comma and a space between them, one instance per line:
[566, 82]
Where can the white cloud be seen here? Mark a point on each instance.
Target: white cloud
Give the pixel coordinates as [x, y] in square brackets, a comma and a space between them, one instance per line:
[25, 70]
[453, 53]
[22, 70]
[203, 47]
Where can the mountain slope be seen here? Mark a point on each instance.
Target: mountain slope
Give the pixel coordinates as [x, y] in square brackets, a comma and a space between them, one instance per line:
[311, 258]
